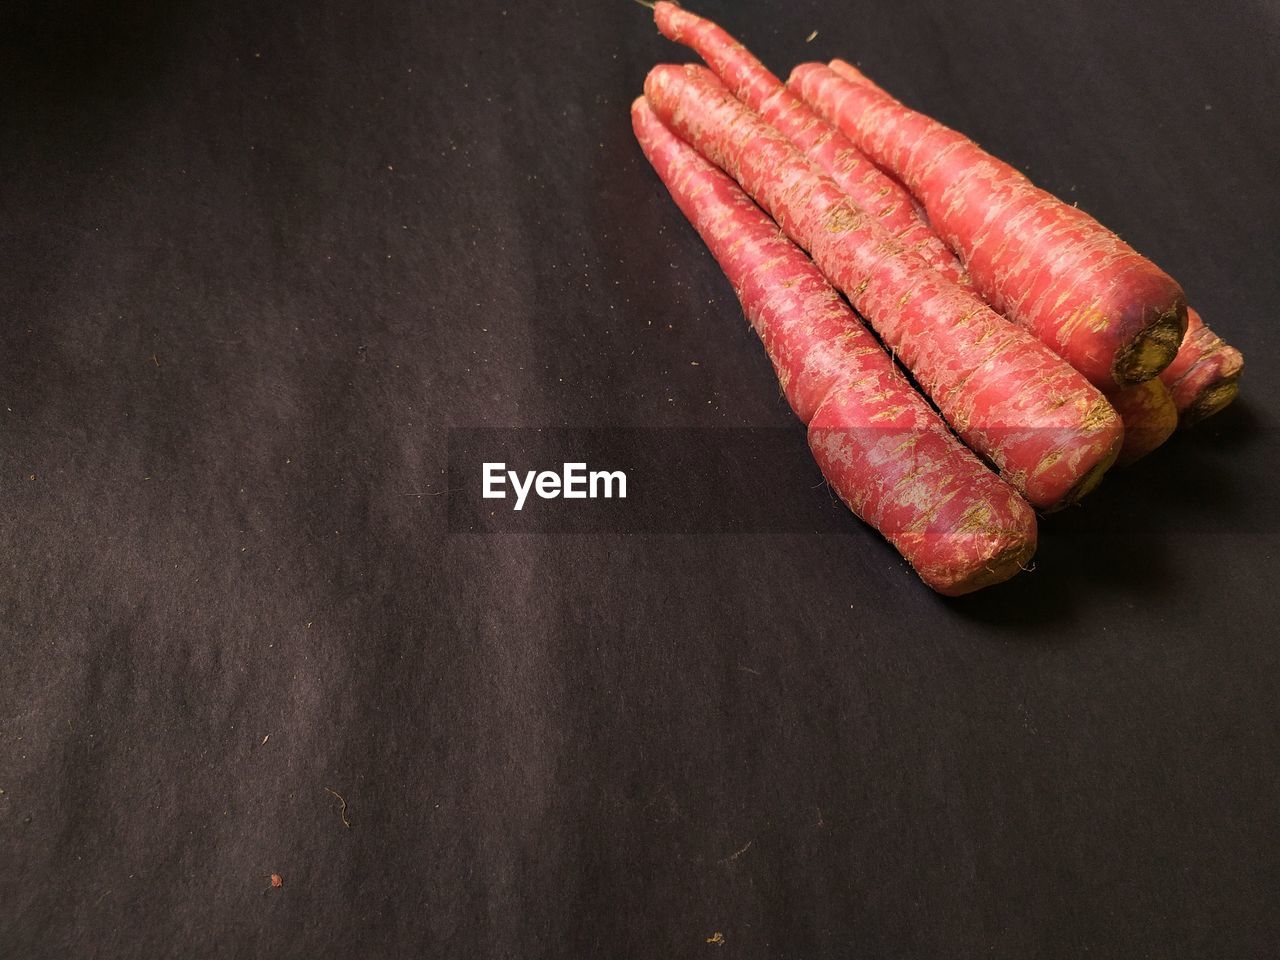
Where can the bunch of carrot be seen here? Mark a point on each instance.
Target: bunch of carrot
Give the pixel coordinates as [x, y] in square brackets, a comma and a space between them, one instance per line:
[1044, 344]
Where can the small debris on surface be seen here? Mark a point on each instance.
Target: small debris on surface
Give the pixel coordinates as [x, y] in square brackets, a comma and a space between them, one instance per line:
[737, 853]
[811, 37]
[277, 881]
[717, 938]
[342, 810]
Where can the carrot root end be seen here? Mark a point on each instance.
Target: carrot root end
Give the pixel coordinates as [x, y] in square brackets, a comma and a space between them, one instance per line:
[1210, 401]
[1151, 350]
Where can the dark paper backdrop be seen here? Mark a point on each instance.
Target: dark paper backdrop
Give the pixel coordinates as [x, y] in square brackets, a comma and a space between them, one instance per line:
[261, 258]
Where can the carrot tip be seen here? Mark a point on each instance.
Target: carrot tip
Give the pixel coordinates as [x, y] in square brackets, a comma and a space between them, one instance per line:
[1010, 562]
[1211, 400]
[1089, 482]
[1151, 350]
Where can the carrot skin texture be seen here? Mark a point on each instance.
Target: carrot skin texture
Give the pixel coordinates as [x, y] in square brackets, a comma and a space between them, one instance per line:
[811, 336]
[1045, 428]
[1149, 415]
[825, 146]
[1203, 376]
[1113, 314]
[880, 446]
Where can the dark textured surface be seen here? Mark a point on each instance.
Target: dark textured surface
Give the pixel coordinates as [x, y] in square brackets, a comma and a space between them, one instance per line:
[260, 257]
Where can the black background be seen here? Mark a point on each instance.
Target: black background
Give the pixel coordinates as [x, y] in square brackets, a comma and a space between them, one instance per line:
[260, 258]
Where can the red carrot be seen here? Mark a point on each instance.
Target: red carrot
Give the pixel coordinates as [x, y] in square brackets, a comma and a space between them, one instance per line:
[1046, 429]
[1203, 376]
[825, 147]
[881, 447]
[1149, 417]
[1110, 312]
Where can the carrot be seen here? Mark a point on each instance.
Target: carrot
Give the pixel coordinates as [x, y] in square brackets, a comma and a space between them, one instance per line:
[1203, 377]
[880, 446]
[1050, 434]
[1114, 315]
[826, 147]
[1204, 371]
[1149, 417]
